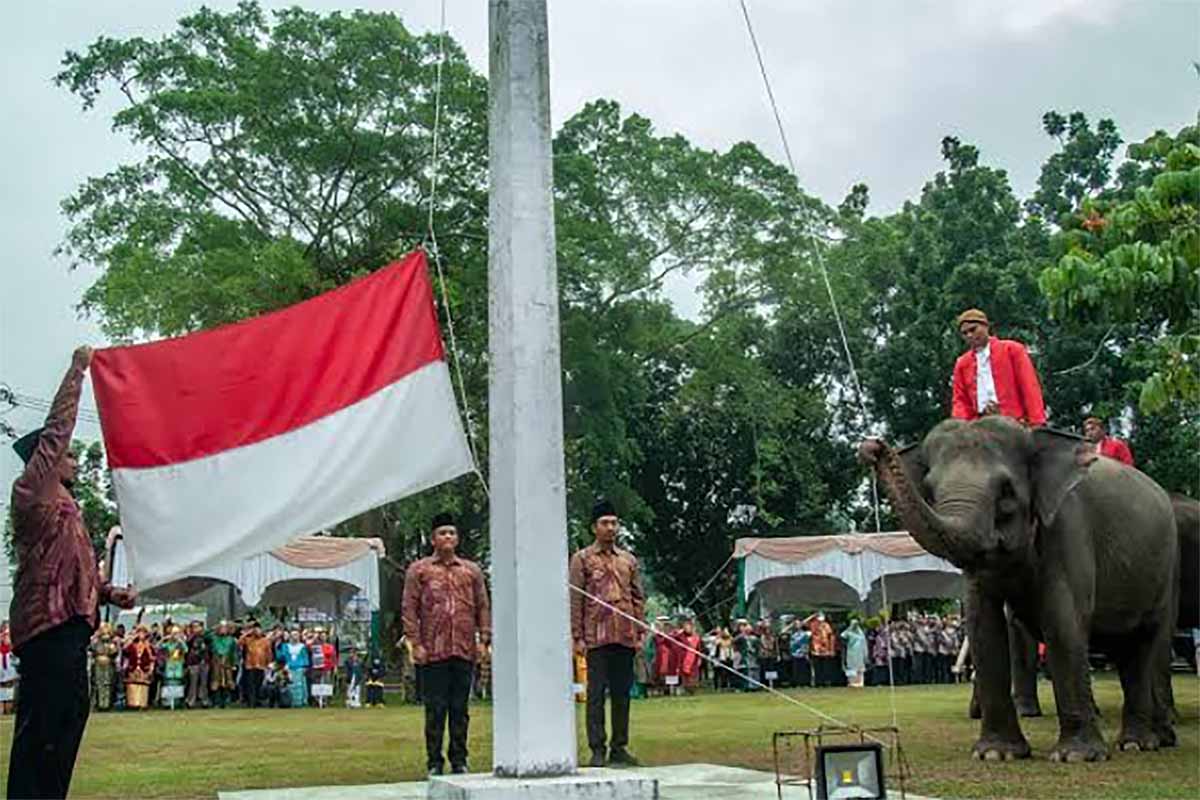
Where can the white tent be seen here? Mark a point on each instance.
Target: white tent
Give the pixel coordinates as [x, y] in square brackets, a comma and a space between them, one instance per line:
[322, 572]
[845, 571]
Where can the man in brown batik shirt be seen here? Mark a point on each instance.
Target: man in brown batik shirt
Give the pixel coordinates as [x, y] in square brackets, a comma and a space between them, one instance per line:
[445, 605]
[610, 574]
[55, 600]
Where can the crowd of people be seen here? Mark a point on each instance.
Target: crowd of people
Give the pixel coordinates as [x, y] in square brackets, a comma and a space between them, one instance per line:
[234, 664]
[799, 653]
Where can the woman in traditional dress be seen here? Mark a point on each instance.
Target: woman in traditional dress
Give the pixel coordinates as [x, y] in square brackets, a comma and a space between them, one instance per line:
[174, 650]
[295, 656]
[139, 661]
[855, 653]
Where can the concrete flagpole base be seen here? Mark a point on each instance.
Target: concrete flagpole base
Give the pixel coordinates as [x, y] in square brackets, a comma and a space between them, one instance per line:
[592, 784]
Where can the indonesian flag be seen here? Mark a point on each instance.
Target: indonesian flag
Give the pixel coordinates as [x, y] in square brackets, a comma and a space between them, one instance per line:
[230, 442]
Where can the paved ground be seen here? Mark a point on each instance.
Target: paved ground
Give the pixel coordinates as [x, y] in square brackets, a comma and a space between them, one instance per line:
[680, 782]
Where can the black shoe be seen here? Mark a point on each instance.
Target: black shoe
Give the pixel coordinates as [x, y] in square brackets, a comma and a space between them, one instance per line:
[597, 759]
[459, 769]
[437, 770]
[623, 758]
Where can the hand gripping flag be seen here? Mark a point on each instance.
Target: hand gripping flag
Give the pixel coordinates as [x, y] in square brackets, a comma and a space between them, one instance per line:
[230, 442]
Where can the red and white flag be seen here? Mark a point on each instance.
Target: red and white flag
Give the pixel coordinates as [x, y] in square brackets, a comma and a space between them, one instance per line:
[230, 442]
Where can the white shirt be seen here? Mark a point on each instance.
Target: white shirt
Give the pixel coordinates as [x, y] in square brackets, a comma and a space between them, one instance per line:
[985, 384]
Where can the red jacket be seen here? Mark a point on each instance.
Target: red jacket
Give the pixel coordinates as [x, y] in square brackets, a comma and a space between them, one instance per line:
[1018, 391]
[1113, 447]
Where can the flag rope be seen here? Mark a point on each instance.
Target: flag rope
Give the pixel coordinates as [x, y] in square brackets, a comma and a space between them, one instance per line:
[837, 316]
[435, 252]
[816, 712]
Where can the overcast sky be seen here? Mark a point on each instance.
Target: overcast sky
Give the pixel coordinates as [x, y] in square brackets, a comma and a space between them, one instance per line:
[867, 91]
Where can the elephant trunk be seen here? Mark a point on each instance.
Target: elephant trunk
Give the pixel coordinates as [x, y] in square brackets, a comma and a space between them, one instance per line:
[944, 535]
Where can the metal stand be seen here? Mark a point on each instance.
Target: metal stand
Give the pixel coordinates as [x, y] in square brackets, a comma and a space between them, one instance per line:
[795, 765]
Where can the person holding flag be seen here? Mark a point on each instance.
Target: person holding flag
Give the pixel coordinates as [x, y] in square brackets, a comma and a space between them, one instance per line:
[56, 600]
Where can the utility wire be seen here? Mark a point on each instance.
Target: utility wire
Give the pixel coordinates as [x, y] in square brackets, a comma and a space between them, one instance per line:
[837, 314]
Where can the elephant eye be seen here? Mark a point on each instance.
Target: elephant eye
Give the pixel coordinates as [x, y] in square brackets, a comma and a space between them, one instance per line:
[1007, 504]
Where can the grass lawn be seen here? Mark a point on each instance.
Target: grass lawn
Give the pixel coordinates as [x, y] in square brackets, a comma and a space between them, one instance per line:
[193, 754]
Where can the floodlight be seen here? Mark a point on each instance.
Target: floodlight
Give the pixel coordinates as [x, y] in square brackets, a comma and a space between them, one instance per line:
[845, 771]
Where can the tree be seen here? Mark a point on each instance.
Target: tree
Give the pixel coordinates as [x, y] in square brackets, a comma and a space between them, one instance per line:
[1133, 256]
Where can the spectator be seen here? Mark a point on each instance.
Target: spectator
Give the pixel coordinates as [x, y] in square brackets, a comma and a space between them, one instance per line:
[8, 671]
[196, 663]
[172, 653]
[798, 644]
[258, 655]
[294, 654]
[223, 664]
[823, 650]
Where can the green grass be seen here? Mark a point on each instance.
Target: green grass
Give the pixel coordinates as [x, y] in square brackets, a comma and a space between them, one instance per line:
[193, 754]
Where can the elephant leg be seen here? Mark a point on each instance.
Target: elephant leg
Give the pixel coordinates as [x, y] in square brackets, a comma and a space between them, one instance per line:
[1000, 734]
[1023, 647]
[1145, 675]
[1079, 737]
[973, 709]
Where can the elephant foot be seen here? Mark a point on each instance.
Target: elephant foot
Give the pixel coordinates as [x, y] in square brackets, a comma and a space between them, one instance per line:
[1028, 707]
[995, 749]
[1166, 735]
[1137, 738]
[1078, 750]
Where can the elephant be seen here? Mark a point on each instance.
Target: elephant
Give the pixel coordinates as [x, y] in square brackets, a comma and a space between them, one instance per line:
[1074, 545]
[1024, 646]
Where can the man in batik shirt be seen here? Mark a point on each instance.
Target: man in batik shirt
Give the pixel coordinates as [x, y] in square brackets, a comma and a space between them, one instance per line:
[196, 664]
[446, 611]
[610, 639]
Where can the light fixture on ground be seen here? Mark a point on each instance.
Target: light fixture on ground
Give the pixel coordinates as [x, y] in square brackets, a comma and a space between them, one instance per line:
[845, 771]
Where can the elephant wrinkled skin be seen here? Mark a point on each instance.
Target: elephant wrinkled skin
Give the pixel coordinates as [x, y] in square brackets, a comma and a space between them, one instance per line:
[1078, 547]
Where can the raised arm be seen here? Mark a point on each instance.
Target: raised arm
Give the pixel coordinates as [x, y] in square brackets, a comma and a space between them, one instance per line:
[42, 470]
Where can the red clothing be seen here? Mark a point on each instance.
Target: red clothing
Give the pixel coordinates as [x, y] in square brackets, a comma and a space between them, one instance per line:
[1113, 447]
[613, 575]
[1018, 391]
[56, 566]
[666, 655]
[445, 604]
[689, 662]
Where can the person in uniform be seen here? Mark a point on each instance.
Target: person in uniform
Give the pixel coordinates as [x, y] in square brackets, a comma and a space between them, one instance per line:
[174, 651]
[1096, 432]
[994, 376]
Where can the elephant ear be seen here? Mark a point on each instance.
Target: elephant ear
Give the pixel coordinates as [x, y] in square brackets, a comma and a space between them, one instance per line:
[1059, 462]
[915, 466]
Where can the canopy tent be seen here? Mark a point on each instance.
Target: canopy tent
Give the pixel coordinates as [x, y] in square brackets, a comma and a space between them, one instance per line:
[842, 571]
[321, 572]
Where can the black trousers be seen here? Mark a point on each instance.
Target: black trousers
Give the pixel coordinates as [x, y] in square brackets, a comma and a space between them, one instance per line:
[610, 671]
[801, 672]
[447, 687]
[51, 713]
[254, 687]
